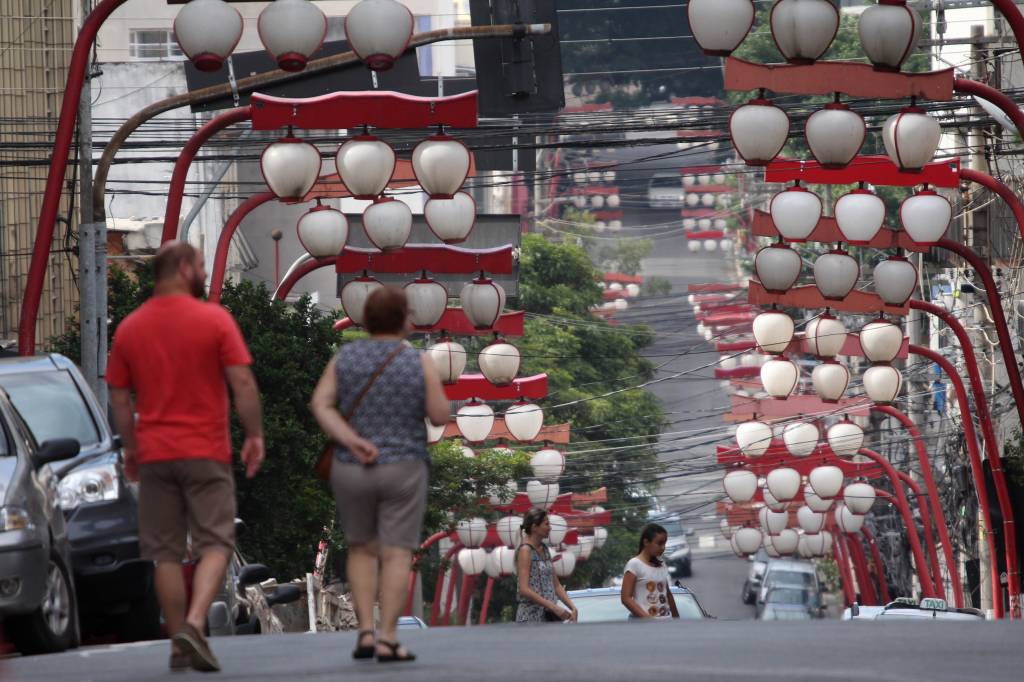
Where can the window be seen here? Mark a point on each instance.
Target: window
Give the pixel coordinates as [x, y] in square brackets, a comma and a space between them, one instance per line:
[52, 406]
[153, 43]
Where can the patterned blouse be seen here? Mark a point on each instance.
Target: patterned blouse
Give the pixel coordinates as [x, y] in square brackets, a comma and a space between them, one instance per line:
[542, 582]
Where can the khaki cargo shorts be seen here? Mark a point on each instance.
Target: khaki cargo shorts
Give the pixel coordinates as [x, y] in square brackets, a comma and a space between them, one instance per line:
[383, 503]
[181, 497]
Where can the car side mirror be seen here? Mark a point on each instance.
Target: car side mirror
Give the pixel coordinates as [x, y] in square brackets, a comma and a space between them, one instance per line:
[253, 574]
[285, 594]
[854, 609]
[116, 441]
[55, 450]
[240, 527]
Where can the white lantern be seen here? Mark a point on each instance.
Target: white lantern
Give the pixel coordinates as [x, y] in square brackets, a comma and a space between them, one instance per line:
[753, 437]
[632, 290]
[692, 199]
[450, 359]
[322, 231]
[292, 30]
[810, 521]
[911, 138]
[825, 336]
[472, 532]
[482, 301]
[801, 438]
[835, 135]
[747, 539]
[608, 176]
[771, 502]
[836, 274]
[802, 549]
[366, 165]
[777, 267]
[693, 245]
[547, 464]
[784, 483]
[509, 529]
[707, 200]
[524, 421]
[434, 433]
[208, 32]
[710, 245]
[613, 201]
[826, 482]
[881, 340]
[785, 542]
[726, 245]
[818, 544]
[882, 383]
[475, 420]
[847, 521]
[816, 503]
[428, 299]
[388, 223]
[290, 168]
[451, 220]
[830, 380]
[740, 485]
[859, 497]
[758, 130]
[719, 26]
[503, 494]
[501, 562]
[772, 522]
[472, 561]
[559, 529]
[888, 34]
[795, 213]
[845, 439]
[441, 164]
[895, 280]
[354, 295]
[468, 452]
[542, 495]
[564, 564]
[597, 201]
[600, 537]
[615, 286]
[779, 377]
[614, 225]
[859, 215]
[726, 529]
[925, 216]
[803, 29]
[499, 362]
[379, 31]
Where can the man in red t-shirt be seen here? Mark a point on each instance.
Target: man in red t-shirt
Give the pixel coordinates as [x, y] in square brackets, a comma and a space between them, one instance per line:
[178, 355]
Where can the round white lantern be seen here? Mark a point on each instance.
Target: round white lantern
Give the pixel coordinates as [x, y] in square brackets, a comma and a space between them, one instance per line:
[771, 502]
[747, 540]
[542, 495]
[692, 199]
[830, 380]
[859, 215]
[710, 245]
[845, 439]
[608, 175]
[290, 168]
[472, 532]
[911, 138]
[600, 537]
[859, 497]
[524, 421]
[882, 383]
[895, 280]
[354, 295]
[825, 336]
[322, 231]
[835, 135]
[726, 529]
[719, 26]
[503, 494]
[388, 223]
[754, 438]
[428, 299]
[801, 438]
[726, 245]
[472, 561]
[208, 32]
[803, 29]
[795, 213]
[501, 562]
[784, 483]
[547, 464]
[499, 362]
[819, 544]
[810, 521]
[482, 301]
[434, 433]
[509, 529]
[441, 164]
[888, 34]
[740, 485]
[597, 201]
[847, 521]
[826, 482]
[451, 220]
[816, 503]
[632, 290]
[366, 165]
[881, 340]
[468, 452]
[693, 245]
[564, 564]
[758, 130]
[772, 522]
[707, 200]
[450, 359]
[785, 542]
[925, 216]
[292, 30]
[475, 420]
[613, 201]
[836, 274]
[777, 267]
[802, 549]
[586, 545]
[379, 31]
[779, 377]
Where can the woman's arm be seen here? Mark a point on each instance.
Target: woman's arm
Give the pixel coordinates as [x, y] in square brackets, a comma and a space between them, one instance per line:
[523, 561]
[438, 408]
[324, 407]
[672, 603]
[626, 595]
[564, 596]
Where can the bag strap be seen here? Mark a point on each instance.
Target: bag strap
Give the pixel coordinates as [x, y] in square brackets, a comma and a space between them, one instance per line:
[376, 375]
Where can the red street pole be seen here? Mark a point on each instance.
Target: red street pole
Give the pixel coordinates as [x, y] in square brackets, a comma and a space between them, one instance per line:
[300, 272]
[868, 597]
[876, 559]
[465, 592]
[486, 604]
[220, 256]
[937, 515]
[929, 539]
[1014, 18]
[427, 544]
[995, 461]
[435, 606]
[845, 575]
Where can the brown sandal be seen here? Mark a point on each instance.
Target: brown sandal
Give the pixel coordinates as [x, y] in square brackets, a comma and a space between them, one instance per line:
[364, 652]
[394, 657]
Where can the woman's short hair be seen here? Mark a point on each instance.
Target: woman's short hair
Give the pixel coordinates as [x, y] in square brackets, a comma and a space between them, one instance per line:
[386, 311]
[534, 517]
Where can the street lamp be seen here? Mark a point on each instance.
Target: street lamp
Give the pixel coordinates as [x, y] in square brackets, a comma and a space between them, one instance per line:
[779, 377]
[773, 331]
[803, 30]
[758, 130]
[323, 231]
[825, 482]
[895, 279]
[926, 216]
[451, 220]
[740, 485]
[475, 420]
[911, 138]
[441, 164]
[836, 274]
[290, 168]
[754, 438]
[801, 438]
[354, 295]
[366, 165]
[388, 223]
[784, 483]
[449, 358]
[547, 464]
[835, 134]
[845, 439]
[292, 30]
[524, 421]
[719, 26]
[379, 32]
[859, 215]
[482, 301]
[795, 212]
[825, 336]
[208, 32]
[889, 32]
[499, 362]
[428, 300]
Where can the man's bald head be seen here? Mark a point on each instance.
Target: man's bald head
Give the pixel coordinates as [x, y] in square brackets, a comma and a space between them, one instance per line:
[180, 262]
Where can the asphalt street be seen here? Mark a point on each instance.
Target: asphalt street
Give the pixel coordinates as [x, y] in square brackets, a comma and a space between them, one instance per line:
[703, 650]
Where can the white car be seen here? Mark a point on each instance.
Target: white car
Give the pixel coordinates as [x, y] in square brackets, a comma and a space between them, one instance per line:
[788, 573]
[905, 608]
[665, 190]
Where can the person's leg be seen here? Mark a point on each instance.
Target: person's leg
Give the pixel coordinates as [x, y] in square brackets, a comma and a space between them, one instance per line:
[394, 585]
[355, 494]
[206, 583]
[362, 567]
[170, 591]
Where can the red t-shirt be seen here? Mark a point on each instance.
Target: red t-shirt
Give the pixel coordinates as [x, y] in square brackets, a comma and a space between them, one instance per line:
[172, 353]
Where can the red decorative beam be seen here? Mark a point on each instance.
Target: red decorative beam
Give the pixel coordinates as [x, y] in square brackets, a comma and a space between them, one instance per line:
[622, 278]
[381, 109]
[851, 347]
[455, 323]
[431, 257]
[705, 234]
[477, 386]
[608, 215]
[737, 372]
[595, 188]
[878, 170]
[796, 405]
[557, 434]
[701, 170]
[827, 231]
[563, 506]
[777, 455]
[712, 288]
[808, 296]
[710, 189]
[701, 213]
[851, 78]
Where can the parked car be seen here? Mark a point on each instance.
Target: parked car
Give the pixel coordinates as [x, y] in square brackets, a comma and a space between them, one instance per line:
[100, 506]
[905, 608]
[233, 612]
[788, 573]
[411, 623]
[665, 190]
[752, 585]
[38, 600]
[789, 603]
[603, 604]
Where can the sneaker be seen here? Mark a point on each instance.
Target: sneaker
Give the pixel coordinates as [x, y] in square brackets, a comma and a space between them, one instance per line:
[194, 648]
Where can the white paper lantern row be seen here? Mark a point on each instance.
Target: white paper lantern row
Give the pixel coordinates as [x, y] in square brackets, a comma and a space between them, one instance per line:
[475, 420]
[803, 30]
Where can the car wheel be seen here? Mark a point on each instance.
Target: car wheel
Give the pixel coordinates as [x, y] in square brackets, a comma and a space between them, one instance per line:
[142, 622]
[53, 626]
[686, 571]
[748, 597]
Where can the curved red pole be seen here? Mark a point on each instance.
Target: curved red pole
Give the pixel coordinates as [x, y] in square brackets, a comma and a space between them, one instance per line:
[174, 193]
[938, 518]
[450, 597]
[427, 544]
[845, 575]
[929, 539]
[468, 588]
[904, 508]
[1014, 18]
[220, 256]
[485, 605]
[876, 558]
[435, 606]
[995, 461]
[987, 92]
[55, 175]
[860, 565]
[300, 272]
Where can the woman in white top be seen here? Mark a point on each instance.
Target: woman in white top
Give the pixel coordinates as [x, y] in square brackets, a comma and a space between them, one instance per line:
[646, 590]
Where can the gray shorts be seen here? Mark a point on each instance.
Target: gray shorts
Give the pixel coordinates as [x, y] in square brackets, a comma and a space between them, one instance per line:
[383, 503]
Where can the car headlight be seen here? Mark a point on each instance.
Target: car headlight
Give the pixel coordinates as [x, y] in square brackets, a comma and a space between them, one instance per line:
[94, 484]
[15, 518]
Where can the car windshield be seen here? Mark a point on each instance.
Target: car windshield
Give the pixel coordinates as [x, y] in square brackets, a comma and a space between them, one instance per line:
[602, 608]
[659, 182]
[798, 578]
[787, 596]
[51, 406]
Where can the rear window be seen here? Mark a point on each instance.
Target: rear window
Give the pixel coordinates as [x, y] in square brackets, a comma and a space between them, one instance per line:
[673, 182]
[52, 406]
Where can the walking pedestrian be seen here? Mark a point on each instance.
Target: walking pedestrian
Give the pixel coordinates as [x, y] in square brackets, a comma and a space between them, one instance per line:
[646, 590]
[172, 362]
[539, 586]
[372, 401]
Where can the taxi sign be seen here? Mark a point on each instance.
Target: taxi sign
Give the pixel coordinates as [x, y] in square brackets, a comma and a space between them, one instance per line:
[933, 604]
